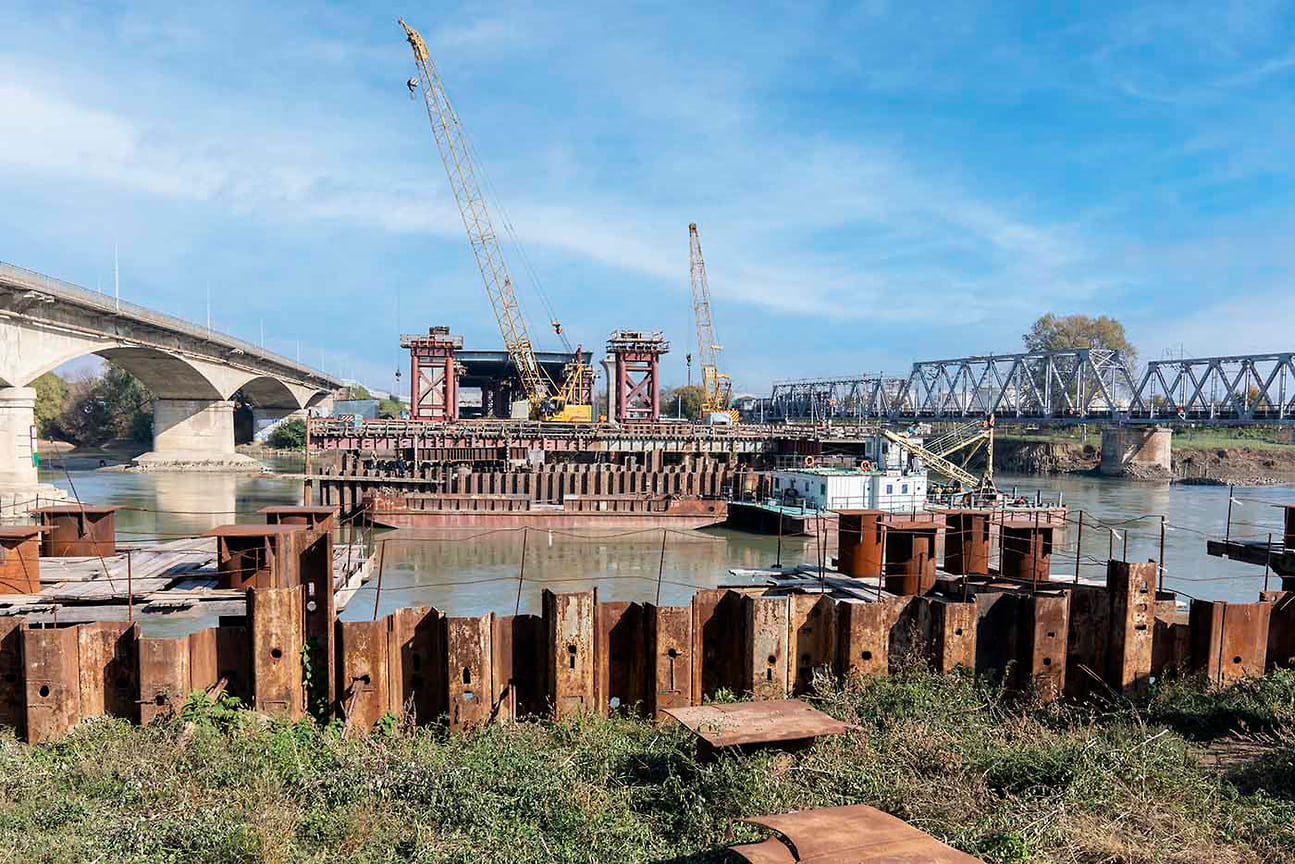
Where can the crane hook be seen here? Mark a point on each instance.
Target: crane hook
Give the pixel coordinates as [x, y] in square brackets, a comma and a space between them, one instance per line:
[412, 84]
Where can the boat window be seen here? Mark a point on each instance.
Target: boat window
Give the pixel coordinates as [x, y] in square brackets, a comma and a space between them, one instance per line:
[890, 488]
[904, 489]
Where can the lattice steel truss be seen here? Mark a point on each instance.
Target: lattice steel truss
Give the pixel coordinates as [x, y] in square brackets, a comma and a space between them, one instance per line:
[1245, 387]
[1074, 386]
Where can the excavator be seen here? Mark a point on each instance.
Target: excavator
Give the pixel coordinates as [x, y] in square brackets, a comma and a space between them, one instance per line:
[568, 401]
[716, 385]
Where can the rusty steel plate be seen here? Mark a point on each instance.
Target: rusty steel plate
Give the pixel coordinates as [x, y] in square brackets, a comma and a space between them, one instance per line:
[856, 834]
[766, 722]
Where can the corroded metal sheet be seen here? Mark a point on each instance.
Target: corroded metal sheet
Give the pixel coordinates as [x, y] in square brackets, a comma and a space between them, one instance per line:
[1281, 629]
[998, 634]
[717, 625]
[670, 646]
[503, 696]
[863, 642]
[856, 834]
[416, 661]
[624, 658]
[204, 661]
[953, 635]
[53, 687]
[1045, 643]
[1171, 644]
[275, 617]
[811, 638]
[1087, 645]
[163, 677]
[315, 569]
[109, 669]
[771, 721]
[363, 686]
[529, 668]
[470, 687]
[570, 652]
[910, 629]
[234, 659]
[766, 649]
[1229, 640]
[1132, 587]
[13, 700]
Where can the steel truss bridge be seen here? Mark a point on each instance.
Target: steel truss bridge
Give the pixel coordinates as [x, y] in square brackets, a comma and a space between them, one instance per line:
[1085, 385]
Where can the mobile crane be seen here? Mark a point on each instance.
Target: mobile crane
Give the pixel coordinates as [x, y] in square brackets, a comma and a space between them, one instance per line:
[716, 385]
[569, 401]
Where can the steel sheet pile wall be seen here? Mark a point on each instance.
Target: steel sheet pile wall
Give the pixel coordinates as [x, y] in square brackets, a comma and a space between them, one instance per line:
[418, 665]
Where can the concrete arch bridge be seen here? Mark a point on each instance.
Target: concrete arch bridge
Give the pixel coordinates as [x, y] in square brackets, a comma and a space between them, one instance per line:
[192, 372]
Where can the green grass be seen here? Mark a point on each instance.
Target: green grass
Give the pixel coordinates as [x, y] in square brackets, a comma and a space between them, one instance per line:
[1002, 780]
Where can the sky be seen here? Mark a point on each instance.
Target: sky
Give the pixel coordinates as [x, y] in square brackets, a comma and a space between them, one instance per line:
[875, 183]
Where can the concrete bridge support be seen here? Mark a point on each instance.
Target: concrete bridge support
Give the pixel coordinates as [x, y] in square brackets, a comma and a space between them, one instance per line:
[17, 437]
[195, 433]
[1137, 451]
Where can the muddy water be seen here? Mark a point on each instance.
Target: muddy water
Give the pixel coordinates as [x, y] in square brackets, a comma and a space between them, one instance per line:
[467, 572]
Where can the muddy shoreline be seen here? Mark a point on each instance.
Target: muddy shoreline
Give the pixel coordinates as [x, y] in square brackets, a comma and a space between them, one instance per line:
[1234, 464]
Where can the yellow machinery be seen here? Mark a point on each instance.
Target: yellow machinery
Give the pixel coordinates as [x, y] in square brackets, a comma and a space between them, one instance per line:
[965, 439]
[565, 403]
[716, 386]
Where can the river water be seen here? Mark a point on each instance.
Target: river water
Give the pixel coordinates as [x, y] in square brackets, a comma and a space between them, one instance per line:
[471, 572]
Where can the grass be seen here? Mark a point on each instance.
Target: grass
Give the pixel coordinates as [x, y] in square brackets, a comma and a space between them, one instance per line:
[1250, 438]
[1000, 779]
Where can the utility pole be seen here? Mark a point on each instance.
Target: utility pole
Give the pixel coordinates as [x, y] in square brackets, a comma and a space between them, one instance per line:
[208, 308]
[116, 279]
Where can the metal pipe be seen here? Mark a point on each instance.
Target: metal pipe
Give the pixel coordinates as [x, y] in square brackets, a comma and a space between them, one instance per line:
[1079, 545]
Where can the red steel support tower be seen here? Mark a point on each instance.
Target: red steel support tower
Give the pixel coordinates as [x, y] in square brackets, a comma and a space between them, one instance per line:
[433, 375]
[637, 386]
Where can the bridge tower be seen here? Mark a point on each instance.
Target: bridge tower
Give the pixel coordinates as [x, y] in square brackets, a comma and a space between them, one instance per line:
[636, 385]
[433, 375]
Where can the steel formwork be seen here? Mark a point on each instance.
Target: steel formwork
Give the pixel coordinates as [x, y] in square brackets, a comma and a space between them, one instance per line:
[1081, 385]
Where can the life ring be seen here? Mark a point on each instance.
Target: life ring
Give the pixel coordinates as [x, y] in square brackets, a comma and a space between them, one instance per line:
[809, 461]
[866, 465]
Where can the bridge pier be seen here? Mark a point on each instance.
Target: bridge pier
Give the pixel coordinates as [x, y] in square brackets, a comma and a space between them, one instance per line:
[20, 486]
[194, 434]
[1137, 451]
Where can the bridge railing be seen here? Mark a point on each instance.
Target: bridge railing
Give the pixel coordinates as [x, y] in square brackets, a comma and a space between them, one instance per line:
[20, 277]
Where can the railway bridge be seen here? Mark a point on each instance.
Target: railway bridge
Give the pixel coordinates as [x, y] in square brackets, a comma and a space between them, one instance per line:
[193, 373]
[1081, 386]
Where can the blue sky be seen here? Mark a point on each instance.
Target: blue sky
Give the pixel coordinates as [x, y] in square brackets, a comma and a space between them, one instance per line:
[875, 183]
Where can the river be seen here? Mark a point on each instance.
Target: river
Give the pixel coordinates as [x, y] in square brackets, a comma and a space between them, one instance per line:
[474, 572]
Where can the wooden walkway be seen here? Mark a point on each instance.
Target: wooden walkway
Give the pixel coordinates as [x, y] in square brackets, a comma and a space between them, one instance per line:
[161, 577]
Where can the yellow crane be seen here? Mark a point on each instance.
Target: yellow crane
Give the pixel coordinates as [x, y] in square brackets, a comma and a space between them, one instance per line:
[935, 453]
[716, 386]
[567, 402]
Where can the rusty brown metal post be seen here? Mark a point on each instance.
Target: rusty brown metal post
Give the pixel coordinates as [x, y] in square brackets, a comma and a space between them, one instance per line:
[130, 592]
[1126, 545]
[306, 490]
[1268, 552]
[1079, 545]
[1160, 583]
[521, 571]
[1110, 546]
[779, 563]
[1034, 549]
[1228, 535]
[377, 594]
[660, 570]
[881, 564]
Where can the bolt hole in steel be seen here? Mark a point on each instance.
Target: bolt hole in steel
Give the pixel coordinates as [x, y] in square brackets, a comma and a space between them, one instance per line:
[773, 658]
[571, 656]
[159, 699]
[1236, 659]
[957, 632]
[276, 653]
[1052, 635]
[672, 653]
[467, 675]
[44, 690]
[1047, 661]
[866, 655]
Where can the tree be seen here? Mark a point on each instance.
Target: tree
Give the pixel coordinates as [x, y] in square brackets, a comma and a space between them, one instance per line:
[390, 407]
[1059, 332]
[51, 392]
[112, 406]
[289, 435]
[682, 400]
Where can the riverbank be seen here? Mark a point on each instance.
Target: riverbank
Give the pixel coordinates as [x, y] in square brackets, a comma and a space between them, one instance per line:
[1201, 458]
[1159, 779]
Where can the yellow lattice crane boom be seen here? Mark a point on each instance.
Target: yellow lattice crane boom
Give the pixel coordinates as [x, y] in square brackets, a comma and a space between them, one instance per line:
[716, 386]
[546, 400]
